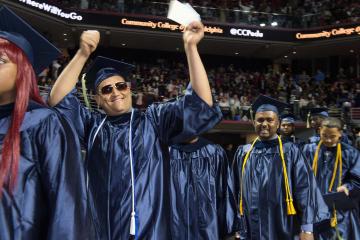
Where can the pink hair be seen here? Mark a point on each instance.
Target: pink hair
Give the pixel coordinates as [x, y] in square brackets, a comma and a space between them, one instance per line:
[26, 89]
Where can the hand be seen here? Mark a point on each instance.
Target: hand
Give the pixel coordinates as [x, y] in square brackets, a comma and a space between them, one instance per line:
[344, 189]
[306, 236]
[194, 32]
[89, 41]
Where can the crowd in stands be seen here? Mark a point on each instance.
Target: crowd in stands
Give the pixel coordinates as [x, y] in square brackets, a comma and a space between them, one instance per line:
[288, 14]
[236, 88]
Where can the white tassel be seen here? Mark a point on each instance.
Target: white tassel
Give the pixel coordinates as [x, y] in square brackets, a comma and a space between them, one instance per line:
[132, 224]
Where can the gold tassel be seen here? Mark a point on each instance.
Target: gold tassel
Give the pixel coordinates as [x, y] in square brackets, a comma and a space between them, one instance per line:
[333, 221]
[241, 207]
[290, 207]
[84, 91]
[289, 200]
[338, 161]
[252, 117]
[308, 120]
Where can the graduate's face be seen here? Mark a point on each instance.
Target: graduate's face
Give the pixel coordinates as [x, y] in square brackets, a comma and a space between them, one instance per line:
[8, 74]
[266, 124]
[286, 129]
[316, 122]
[117, 101]
[330, 136]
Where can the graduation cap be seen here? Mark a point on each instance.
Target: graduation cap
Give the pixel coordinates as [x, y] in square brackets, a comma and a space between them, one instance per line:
[288, 118]
[39, 51]
[103, 68]
[341, 201]
[264, 104]
[316, 112]
[321, 112]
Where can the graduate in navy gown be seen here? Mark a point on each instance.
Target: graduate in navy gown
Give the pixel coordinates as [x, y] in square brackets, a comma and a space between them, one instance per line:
[42, 183]
[314, 119]
[274, 186]
[287, 129]
[316, 116]
[127, 150]
[336, 166]
[200, 194]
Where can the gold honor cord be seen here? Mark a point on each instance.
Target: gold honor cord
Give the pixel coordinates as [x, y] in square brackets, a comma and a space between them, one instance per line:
[316, 157]
[242, 176]
[289, 199]
[84, 91]
[338, 163]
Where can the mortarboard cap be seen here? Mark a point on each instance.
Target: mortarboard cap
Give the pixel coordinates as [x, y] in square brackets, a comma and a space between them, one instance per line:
[264, 104]
[321, 111]
[341, 201]
[39, 51]
[103, 68]
[288, 118]
[313, 112]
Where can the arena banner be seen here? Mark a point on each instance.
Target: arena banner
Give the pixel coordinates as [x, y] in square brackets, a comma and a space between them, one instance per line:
[165, 25]
[52, 10]
[329, 33]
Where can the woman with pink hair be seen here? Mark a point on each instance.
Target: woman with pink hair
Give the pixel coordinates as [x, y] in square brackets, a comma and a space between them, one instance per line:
[42, 187]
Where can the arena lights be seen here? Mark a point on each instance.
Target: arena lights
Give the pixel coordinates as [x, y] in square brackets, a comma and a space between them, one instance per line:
[52, 9]
[274, 24]
[262, 24]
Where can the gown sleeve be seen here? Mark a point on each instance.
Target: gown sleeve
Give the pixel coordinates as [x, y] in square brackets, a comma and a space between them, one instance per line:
[309, 202]
[76, 114]
[352, 177]
[178, 121]
[62, 177]
[238, 222]
[225, 198]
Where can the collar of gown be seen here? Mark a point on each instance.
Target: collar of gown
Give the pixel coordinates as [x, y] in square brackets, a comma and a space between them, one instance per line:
[267, 143]
[122, 118]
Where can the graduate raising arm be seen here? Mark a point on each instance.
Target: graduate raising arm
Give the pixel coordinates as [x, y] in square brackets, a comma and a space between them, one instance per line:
[89, 41]
[69, 76]
[126, 147]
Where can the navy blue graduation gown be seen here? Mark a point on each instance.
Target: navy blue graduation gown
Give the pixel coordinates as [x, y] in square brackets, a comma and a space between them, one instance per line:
[265, 211]
[314, 139]
[293, 139]
[109, 163]
[348, 221]
[49, 201]
[200, 201]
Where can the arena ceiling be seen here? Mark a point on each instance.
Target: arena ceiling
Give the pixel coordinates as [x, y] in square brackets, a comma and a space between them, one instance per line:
[66, 35]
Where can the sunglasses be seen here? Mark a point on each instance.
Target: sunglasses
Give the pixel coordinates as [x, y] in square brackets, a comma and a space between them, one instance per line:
[120, 86]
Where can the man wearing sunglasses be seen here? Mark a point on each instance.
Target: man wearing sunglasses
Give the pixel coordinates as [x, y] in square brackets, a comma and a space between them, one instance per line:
[127, 155]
